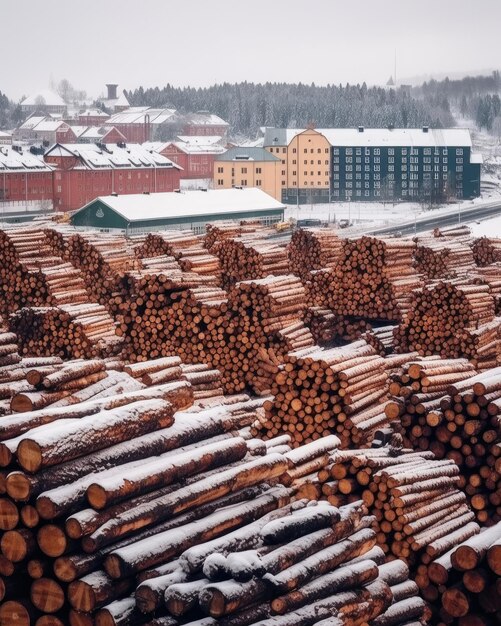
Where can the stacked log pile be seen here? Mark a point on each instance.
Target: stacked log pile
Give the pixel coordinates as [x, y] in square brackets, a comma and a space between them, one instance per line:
[329, 572]
[101, 492]
[68, 331]
[490, 275]
[313, 249]
[101, 258]
[220, 231]
[486, 250]
[453, 319]
[464, 583]
[374, 278]
[266, 325]
[31, 275]
[420, 512]
[443, 408]
[381, 338]
[320, 391]
[250, 256]
[331, 329]
[443, 257]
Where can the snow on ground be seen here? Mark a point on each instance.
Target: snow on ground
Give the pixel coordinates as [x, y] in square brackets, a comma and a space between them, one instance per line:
[487, 228]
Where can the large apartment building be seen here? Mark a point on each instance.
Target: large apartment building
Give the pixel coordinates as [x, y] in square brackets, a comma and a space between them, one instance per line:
[363, 164]
[246, 166]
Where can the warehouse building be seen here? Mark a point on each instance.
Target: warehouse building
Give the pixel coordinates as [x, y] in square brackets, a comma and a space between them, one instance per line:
[138, 213]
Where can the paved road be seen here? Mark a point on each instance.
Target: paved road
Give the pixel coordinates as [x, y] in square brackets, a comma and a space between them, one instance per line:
[449, 219]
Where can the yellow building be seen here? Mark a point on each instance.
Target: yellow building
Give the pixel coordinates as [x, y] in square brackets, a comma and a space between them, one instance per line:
[249, 167]
[305, 163]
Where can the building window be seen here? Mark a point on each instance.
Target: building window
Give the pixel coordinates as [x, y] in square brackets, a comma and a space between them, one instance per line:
[243, 183]
[306, 173]
[283, 172]
[326, 150]
[294, 183]
[258, 170]
[459, 160]
[283, 183]
[306, 162]
[283, 150]
[220, 170]
[294, 150]
[258, 183]
[358, 151]
[220, 181]
[326, 162]
[349, 151]
[283, 162]
[459, 168]
[312, 162]
[377, 151]
[459, 151]
[391, 151]
[335, 151]
[306, 150]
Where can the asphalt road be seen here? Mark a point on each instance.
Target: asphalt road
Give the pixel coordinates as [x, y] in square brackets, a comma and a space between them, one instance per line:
[433, 221]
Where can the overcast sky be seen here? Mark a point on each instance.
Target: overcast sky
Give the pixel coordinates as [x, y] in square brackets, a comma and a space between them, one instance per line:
[200, 42]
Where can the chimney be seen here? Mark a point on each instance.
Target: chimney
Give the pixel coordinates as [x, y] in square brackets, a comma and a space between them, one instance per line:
[360, 129]
[112, 91]
[425, 129]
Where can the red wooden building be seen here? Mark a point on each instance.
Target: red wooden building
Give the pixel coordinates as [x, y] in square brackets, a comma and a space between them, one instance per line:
[93, 117]
[195, 157]
[70, 175]
[85, 171]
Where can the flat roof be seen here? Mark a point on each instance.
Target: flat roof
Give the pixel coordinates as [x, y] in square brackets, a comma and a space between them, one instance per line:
[189, 204]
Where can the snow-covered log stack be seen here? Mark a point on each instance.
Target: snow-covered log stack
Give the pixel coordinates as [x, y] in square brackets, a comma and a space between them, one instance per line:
[486, 250]
[443, 257]
[104, 489]
[464, 584]
[319, 391]
[219, 231]
[167, 242]
[374, 278]
[250, 257]
[31, 274]
[68, 331]
[453, 319]
[419, 509]
[299, 565]
[457, 416]
[313, 249]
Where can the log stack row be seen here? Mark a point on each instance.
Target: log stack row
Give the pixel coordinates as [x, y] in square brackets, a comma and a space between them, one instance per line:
[250, 256]
[374, 278]
[313, 249]
[457, 416]
[331, 329]
[67, 331]
[31, 274]
[320, 391]
[220, 231]
[420, 511]
[464, 585]
[453, 319]
[443, 257]
[486, 250]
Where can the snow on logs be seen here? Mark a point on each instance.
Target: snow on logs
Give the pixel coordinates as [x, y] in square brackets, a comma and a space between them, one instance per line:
[317, 392]
[464, 583]
[444, 406]
[420, 511]
[101, 491]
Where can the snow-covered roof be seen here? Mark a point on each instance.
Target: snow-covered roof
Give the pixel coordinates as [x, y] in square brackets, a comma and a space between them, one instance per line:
[95, 157]
[93, 113]
[137, 115]
[49, 125]
[413, 137]
[119, 101]
[96, 133]
[204, 140]
[12, 160]
[188, 148]
[4, 134]
[32, 121]
[476, 157]
[51, 98]
[189, 204]
[79, 130]
[205, 118]
[257, 143]
[246, 153]
[377, 137]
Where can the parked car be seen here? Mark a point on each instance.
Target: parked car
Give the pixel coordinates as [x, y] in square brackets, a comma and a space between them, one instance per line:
[344, 223]
[308, 222]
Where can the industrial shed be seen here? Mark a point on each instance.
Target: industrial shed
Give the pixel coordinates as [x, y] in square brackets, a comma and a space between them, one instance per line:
[136, 213]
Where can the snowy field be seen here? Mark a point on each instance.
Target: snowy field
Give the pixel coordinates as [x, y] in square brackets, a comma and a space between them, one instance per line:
[487, 228]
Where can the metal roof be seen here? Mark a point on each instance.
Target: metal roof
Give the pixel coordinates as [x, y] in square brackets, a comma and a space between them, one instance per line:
[12, 160]
[189, 204]
[94, 157]
[246, 153]
[377, 137]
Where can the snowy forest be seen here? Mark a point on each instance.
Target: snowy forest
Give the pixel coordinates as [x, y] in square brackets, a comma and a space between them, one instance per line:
[247, 106]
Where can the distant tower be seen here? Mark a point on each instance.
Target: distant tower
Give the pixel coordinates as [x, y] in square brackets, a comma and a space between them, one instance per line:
[112, 91]
[390, 82]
